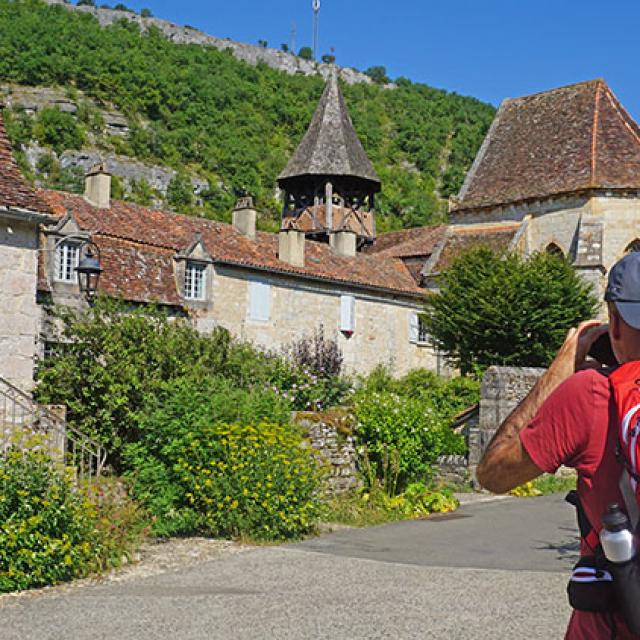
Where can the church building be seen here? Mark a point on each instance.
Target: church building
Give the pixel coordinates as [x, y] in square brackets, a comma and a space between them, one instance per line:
[558, 171]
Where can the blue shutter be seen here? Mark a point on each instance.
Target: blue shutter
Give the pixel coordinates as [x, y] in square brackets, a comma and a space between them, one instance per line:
[259, 301]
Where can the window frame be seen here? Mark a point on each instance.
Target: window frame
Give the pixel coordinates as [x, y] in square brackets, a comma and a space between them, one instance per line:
[62, 265]
[189, 288]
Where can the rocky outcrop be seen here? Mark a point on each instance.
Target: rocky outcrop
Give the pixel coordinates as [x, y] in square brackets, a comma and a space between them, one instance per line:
[252, 54]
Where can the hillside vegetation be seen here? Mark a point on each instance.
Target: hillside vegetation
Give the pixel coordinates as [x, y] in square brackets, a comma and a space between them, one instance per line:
[201, 111]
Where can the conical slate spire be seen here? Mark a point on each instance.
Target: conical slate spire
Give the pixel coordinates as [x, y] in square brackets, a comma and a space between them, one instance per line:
[331, 146]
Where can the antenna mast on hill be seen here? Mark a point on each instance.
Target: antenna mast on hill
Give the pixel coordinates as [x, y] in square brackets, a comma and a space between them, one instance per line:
[293, 37]
[316, 9]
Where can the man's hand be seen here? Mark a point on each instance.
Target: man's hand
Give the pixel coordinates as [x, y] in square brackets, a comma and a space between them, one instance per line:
[571, 356]
[505, 463]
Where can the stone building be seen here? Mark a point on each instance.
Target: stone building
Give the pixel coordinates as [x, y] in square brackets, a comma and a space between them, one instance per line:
[22, 211]
[558, 171]
[265, 288]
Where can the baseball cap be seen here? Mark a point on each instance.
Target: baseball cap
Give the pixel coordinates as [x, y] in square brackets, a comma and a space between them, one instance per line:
[623, 288]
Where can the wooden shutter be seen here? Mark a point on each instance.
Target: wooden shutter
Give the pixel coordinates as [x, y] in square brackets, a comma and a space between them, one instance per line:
[414, 327]
[347, 314]
[259, 301]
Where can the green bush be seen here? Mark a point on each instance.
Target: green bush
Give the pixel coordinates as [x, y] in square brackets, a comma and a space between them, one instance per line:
[47, 532]
[256, 481]
[52, 531]
[190, 409]
[388, 423]
[58, 130]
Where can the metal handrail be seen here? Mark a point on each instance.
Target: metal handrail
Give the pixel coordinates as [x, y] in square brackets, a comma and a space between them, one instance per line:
[19, 412]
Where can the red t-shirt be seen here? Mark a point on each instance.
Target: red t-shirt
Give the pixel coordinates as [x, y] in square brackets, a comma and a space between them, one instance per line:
[577, 427]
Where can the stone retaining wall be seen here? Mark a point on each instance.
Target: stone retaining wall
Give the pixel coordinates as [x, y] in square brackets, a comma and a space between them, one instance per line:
[330, 434]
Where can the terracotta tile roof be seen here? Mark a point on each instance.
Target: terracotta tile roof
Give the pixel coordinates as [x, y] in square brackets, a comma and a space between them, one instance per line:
[420, 241]
[570, 139]
[15, 192]
[458, 239]
[138, 245]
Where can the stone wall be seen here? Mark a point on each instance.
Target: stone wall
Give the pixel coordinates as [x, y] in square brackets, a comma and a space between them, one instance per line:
[297, 308]
[330, 434]
[19, 313]
[503, 388]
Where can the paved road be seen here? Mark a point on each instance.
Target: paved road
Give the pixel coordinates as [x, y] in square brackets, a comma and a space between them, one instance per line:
[490, 571]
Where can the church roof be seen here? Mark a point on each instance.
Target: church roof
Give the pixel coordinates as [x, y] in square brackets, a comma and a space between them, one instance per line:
[331, 146]
[138, 246]
[570, 139]
[15, 191]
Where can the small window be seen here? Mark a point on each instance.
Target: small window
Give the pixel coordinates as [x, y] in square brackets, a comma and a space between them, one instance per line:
[259, 301]
[554, 250]
[194, 281]
[418, 333]
[66, 261]
[347, 314]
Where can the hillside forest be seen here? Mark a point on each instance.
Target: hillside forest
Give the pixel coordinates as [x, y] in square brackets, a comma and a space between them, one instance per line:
[203, 113]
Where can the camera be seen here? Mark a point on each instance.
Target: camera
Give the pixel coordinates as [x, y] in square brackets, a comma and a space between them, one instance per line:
[602, 351]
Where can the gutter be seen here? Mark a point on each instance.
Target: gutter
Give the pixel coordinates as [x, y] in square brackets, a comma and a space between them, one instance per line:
[29, 216]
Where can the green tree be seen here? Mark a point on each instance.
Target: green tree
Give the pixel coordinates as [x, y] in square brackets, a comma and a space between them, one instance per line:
[180, 192]
[305, 53]
[378, 74]
[495, 309]
[58, 130]
[146, 13]
[328, 58]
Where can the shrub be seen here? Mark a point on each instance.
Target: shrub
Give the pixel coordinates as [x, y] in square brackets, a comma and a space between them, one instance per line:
[181, 411]
[255, 481]
[47, 532]
[58, 130]
[52, 531]
[318, 354]
[388, 423]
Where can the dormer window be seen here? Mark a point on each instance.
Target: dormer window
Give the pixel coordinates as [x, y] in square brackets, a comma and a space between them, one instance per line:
[194, 280]
[66, 261]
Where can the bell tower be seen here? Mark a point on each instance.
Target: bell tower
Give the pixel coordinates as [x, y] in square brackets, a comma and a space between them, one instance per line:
[330, 184]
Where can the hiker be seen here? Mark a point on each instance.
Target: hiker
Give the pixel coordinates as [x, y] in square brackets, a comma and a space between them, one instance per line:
[572, 417]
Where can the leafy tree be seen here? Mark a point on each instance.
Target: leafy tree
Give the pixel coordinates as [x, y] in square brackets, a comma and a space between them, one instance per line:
[146, 13]
[506, 310]
[306, 53]
[328, 58]
[263, 44]
[180, 191]
[378, 74]
[58, 130]
[86, 3]
[284, 47]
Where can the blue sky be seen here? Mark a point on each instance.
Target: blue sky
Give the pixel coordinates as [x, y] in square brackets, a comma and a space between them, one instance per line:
[489, 49]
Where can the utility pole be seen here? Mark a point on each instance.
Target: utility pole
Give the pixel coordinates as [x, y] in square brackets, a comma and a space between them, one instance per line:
[315, 4]
[293, 37]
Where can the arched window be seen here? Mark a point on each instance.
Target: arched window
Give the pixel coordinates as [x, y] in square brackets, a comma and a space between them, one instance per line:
[633, 246]
[554, 250]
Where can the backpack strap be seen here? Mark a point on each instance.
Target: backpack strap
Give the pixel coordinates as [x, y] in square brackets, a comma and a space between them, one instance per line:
[587, 533]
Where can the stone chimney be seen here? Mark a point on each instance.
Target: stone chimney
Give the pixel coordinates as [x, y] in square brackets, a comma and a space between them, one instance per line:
[97, 186]
[244, 217]
[343, 242]
[291, 247]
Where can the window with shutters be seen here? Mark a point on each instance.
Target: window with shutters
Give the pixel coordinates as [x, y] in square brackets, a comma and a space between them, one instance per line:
[195, 280]
[418, 333]
[347, 314]
[259, 301]
[67, 256]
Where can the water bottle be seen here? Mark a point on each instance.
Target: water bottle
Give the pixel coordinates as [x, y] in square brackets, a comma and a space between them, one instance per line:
[617, 540]
[619, 546]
